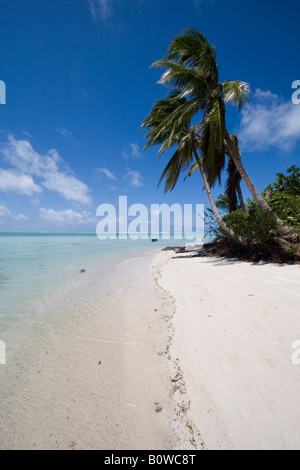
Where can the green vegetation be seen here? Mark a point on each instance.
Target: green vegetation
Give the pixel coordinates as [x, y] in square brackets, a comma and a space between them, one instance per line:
[197, 95]
[254, 226]
[191, 73]
[284, 197]
[256, 232]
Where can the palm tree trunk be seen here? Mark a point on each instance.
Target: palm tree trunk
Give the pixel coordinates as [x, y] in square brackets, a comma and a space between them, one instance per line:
[234, 153]
[210, 196]
[241, 199]
[240, 167]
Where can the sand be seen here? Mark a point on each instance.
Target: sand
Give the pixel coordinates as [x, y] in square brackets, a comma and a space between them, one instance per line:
[194, 353]
[234, 327]
[95, 382]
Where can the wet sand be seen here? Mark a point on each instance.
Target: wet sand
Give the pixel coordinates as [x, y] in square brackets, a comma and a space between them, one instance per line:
[193, 353]
[96, 382]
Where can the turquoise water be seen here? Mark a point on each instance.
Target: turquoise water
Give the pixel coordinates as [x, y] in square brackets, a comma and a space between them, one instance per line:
[46, 278]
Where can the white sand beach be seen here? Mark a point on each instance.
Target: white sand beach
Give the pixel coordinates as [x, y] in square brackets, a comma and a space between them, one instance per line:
[195, 354]
[234, 327]
[100, 381]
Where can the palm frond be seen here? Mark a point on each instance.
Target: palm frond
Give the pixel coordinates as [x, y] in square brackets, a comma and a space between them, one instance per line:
[236, 93]
[168, 119]
[186, 47]
[180, 161]
[231, 186]
[192, 50]
[172, 172]
[192, 170]
[181, 77]
[179, 122]
[207, 65]
[212, 144]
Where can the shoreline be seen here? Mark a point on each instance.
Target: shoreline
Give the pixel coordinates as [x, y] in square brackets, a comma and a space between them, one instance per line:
[99, 381]
[185, 429]
[193, 353]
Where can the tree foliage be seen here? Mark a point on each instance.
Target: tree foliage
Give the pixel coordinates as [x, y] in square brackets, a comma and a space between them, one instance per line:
[255, 226]
[284, 196]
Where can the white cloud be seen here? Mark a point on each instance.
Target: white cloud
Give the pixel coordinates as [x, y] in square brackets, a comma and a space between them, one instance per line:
[53, 172]
[131, 151]
[134, 179]
[268, 121]
[7, 216]
[100, 8]
[20, 217]
[68, 187]
[4, 212]
[106, 173]
[21, 155]
[17, 182]
[68, 216]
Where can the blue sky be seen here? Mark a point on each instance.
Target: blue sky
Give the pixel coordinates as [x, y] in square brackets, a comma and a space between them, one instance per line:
[78, 86]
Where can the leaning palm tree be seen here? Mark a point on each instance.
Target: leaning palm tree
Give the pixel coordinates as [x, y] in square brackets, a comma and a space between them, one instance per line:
[191, 66]
[232, 199]
[233, 184]
[233, 188]
[233, 192]
[166, 126]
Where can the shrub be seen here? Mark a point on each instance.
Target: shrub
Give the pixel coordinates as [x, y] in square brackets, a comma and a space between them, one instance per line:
[284, 197]
[287, 207]
[255, 226]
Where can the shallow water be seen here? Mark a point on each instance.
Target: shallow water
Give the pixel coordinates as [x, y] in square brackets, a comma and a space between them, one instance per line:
[46, 278]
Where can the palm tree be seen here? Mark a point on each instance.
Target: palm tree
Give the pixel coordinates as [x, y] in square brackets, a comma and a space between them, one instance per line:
[164, 128]
[233, 184]
[233, 188]
[191, 66]
[233, 193]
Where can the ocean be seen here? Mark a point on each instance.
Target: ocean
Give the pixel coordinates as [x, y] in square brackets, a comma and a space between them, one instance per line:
[47, 278]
